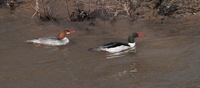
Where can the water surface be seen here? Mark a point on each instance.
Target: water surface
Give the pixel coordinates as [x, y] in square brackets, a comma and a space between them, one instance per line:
[167, 57]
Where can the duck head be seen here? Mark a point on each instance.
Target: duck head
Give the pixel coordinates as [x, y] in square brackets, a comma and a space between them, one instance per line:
[64, 33]
[131, 38]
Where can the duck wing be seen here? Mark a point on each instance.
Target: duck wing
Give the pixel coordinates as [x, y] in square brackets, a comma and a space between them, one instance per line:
[114, 44]
[44, 39]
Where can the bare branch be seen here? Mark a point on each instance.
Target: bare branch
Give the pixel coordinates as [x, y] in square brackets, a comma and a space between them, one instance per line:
[36, 8]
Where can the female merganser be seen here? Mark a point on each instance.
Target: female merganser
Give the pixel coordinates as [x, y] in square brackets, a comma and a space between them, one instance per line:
[115, 47]
[61, 39]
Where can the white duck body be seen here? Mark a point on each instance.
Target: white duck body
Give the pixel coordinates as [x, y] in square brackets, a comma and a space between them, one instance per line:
[61, 39]
[116, 47]
[52, 41]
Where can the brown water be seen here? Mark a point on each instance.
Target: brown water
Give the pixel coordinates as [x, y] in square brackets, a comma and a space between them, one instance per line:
[167, 57]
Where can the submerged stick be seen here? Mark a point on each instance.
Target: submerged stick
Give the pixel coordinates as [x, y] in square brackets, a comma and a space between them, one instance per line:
[89, 6]
[68, 9]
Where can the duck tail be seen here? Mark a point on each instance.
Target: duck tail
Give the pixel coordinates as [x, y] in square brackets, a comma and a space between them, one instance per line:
[94, 49]
[28, 41]
[31, 41]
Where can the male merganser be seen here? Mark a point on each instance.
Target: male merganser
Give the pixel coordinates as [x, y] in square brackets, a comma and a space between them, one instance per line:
[61, 39]
[115, 47]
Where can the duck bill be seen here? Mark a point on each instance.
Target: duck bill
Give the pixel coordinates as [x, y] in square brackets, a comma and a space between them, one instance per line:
[140, 35]
[71, 31]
